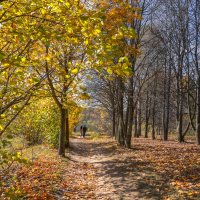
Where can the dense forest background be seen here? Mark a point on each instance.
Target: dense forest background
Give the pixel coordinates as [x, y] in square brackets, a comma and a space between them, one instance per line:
[164, 90]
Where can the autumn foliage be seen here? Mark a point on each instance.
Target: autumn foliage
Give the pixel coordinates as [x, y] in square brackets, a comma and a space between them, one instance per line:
[48, 177]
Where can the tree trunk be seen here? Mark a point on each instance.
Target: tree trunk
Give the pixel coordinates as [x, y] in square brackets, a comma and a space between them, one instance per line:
[120, 103]
[136, 126]
[196, 53]
[180, 118]
[62, 136]
[198, 113]
[153, 124]
[67, 129]
[180, 103]
[139, 119]
[130, 111]
[154, 109]
[117, 128]
[113, 119]
[147, 116]
[166, 107]
[164, 104]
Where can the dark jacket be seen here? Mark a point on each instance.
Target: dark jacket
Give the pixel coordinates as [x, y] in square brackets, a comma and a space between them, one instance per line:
[84, 129]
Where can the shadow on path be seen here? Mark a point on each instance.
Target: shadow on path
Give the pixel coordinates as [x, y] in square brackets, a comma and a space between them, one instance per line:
[120, 175]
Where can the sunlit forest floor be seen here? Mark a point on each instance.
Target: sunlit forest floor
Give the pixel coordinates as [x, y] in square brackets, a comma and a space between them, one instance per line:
[97, 168]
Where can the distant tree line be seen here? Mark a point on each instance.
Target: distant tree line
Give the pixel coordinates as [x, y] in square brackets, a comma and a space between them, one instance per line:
[163, 93]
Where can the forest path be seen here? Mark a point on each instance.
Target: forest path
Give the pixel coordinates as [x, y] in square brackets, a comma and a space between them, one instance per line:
[119, 174]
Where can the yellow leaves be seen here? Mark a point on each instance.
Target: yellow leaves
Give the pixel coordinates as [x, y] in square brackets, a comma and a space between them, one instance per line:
[2, 116]
[74, 71]
[67, 4]
[75, 40]
[124, 32]
[109, 70]
[84, 96]
[23, 59]
[86, 42]
[43, 11]
[118, 36]
[47, 57]
[20, 72]
[97, 32]
[18, 12]
[123, 60]
[69, 30]
[67, 76]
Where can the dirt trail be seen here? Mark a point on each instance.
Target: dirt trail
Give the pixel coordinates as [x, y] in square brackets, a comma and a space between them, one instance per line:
[119, 175]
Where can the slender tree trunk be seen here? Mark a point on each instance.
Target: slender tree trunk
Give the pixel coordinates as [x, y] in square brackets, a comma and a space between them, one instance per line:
[117, 115]
[164, 104]
[196, 53]
[67, 129]
[62, 136]
[166, 107]
[113, 122]
[153, 124]
[121, 126]
[180, 124]
[154, 109]
[180, 117]
[147, 116]
[130, 109]
[139, 123]
[180, 102]
[116, 128]
[136, 126]
[198, 113]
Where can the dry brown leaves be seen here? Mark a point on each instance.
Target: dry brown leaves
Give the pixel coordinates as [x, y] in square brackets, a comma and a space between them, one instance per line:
[49, 178]
[172, 169]
[179, 164]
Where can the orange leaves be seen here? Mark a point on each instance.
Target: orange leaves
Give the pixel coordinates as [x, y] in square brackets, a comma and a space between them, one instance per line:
[49, 178]
[78, 182]
[179, 164]
[34, 182]
[121, 12]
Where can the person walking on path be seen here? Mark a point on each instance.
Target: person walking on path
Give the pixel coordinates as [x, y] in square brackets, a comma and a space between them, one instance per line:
[84, 130]
[81, 130]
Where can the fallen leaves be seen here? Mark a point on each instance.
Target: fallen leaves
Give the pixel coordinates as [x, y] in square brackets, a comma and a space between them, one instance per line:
[179, 164]
[79, 182]
[49, 177]
[168, 169]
